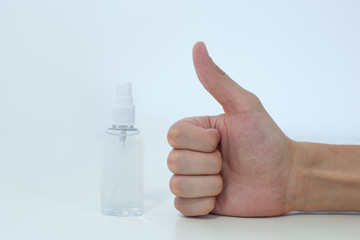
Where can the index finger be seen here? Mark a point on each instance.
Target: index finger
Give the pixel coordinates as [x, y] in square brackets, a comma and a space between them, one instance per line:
[189, 135]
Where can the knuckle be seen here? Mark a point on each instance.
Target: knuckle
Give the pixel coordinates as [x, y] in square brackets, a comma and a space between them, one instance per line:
[176, 184]
[255, 101]
[173, 135]
[249, 103]
[253, 97]
[179, 205]
[173, 161]
[182, 205]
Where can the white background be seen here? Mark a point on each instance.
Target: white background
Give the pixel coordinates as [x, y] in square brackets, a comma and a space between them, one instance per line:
[60, 61]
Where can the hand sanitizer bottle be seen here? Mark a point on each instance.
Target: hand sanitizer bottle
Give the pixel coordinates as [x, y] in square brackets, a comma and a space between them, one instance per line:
[121, 177]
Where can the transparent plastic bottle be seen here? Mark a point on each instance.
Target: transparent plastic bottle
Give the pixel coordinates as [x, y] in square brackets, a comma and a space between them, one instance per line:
[121, 176]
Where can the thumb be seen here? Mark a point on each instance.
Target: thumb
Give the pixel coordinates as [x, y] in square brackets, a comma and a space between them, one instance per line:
[232, 97]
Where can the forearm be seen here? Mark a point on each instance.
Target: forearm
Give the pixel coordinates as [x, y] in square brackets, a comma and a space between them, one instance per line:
[327, 177]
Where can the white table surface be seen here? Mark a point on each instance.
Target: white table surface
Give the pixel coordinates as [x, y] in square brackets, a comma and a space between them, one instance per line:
[37, 214]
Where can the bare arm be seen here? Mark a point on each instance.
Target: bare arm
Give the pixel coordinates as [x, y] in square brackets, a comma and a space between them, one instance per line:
[327, 177]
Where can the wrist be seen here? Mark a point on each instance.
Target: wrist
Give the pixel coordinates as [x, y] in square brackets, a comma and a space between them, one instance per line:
[302, 155]
[325, 177]
[295, 191]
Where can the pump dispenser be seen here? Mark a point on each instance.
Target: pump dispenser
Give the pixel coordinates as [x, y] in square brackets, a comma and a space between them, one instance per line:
[121, 177]
[123, 109]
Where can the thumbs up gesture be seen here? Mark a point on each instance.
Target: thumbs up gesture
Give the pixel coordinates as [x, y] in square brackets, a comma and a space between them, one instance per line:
[238, 163]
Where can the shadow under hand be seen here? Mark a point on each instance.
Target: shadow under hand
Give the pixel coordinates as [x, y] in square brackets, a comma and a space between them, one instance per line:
[336, 224]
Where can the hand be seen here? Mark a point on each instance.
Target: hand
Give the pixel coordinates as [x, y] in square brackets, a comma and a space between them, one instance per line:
[236, 164]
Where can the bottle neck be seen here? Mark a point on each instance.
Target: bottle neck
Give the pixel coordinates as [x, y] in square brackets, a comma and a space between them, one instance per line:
[123, 126]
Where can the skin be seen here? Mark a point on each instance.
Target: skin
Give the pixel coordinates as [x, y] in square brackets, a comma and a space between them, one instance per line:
[241, 164]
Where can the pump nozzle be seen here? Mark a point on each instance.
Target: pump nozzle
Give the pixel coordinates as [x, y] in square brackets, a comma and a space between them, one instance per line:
[123, 108]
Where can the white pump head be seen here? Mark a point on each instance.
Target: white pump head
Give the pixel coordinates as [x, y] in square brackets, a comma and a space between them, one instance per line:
[123, 109]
